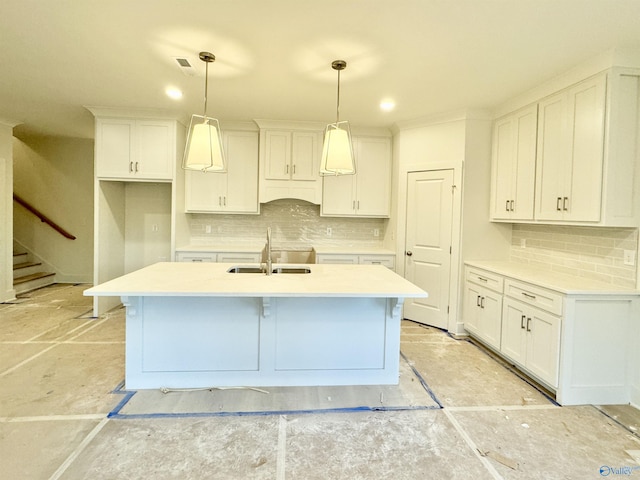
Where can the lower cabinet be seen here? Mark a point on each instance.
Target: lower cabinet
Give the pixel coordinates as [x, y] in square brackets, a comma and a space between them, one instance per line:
[218, 256]
[570, 335]
[483, 310]
[531, 339]
[355, 259]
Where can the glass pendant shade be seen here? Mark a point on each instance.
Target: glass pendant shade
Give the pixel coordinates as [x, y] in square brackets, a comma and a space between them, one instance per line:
[337, 151]
[204, 150]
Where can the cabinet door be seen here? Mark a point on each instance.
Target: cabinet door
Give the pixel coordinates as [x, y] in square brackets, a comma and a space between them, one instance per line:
[242, 166]
[305, 158]
[582, 196]
[514, 161]
[504, 166]
[277, 155]
[155, 149]
[205, 191]
[490, 322]
[543, 345]
[338, 196]
[114, 148]
[373, 176]
[552, 157]
[514, 333]
[472, 296]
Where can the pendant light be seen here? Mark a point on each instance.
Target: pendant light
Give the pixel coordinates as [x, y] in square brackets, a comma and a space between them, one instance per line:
[337, 151]
[204, 142]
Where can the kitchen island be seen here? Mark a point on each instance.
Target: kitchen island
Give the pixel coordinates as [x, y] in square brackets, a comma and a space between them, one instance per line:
[192, 325]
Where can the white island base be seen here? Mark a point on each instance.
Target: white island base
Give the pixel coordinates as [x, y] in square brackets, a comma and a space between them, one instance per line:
[301, 330]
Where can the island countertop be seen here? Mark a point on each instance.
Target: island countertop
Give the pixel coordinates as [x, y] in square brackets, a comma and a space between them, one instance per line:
[212, 279]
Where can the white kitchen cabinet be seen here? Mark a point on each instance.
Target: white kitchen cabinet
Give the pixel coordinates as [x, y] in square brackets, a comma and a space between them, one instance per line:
[571, 334]
[587, 167]
[531, 339]
[483, 308]
[356, 259]
[570, 153]
[368, 192]
[235, 191]
[514, 165]
[290, 160]
[135, 149]
[292, 155]
[218, 255]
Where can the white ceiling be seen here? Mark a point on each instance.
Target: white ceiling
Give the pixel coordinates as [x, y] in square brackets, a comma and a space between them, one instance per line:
[274, 56]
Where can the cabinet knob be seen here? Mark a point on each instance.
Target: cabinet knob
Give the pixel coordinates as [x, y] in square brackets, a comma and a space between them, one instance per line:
[409, 253]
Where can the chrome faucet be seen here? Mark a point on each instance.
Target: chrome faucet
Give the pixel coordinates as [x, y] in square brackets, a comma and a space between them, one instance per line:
[268, 251]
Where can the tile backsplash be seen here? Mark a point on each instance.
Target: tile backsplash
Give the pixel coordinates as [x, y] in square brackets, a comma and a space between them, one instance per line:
[592, 252]
[294, 224]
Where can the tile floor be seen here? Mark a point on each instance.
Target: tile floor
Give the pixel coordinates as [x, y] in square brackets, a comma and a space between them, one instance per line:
[60, 368]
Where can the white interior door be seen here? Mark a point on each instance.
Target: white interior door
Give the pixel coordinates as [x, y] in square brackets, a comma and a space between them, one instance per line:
[428, 245]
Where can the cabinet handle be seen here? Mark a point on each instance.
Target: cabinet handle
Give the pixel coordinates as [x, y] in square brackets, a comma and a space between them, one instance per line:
[511, 202]
[565, 200]
[482, 279]
[294, 169]
[130, 167]
[481, 302]
[478, 301]
[528, 295]
[224, 200]
[219, 201]
[528, 322]
[522, 321]
[558, 204]
[136, 167]
[196, 260]
[506, 206]
[358, 203]
[287, 169]
[354, 205]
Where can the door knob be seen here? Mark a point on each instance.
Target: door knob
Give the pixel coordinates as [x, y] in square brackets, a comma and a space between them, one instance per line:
[409, 253]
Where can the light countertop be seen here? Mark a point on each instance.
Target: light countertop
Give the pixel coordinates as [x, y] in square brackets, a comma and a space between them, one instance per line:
[566, 284]
[212, 279]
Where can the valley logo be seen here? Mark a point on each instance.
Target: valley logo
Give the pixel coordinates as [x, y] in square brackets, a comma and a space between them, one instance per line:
[606, 470]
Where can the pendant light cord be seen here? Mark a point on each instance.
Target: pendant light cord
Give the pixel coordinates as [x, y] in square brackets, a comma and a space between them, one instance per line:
[206, 84]
[338, 101]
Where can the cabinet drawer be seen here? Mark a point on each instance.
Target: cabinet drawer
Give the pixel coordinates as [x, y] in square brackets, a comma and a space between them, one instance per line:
[231, 257]
[195, 257]
[342, 259]
[386, 260]
[536, 296]
[486, 279]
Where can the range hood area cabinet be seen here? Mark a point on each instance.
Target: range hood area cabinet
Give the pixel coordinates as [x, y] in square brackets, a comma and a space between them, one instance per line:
[368, 192]
[290, 160]
[135, 149]
[235, 191]
[587, 159]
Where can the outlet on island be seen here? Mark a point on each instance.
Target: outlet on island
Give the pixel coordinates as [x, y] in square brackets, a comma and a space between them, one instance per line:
[329, 231]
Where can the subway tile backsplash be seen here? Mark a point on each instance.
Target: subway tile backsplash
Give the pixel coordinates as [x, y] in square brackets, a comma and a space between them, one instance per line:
[592, 252]
[295, 224]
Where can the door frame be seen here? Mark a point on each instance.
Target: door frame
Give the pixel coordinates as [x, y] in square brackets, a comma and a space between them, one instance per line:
[455, 324]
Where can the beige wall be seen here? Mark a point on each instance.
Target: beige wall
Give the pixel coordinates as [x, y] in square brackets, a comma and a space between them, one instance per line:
[6, 213]
[55, 175]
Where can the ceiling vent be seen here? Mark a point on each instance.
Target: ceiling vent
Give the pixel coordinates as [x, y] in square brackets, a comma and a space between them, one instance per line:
[185, 66]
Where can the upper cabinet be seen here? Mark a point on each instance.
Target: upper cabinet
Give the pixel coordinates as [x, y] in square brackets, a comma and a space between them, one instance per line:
[514, 165]
[235, 191]
[368, 192]
[290, 160]
[585, 146]
[135, 149]
[570, 153]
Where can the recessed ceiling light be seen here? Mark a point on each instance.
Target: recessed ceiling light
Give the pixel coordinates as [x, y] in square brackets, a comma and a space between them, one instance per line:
[174, 93]
[387, 105]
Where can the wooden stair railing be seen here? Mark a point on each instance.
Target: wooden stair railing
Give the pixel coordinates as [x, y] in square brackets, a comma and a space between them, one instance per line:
[43, 217]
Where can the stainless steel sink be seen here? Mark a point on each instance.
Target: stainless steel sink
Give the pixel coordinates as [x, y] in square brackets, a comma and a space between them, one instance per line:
[294, 270]
[276, 270]
[240, 269]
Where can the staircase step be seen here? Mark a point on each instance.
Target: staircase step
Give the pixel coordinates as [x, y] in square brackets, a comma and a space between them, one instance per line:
[25, 268]
[33, 281]
[20, 257]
